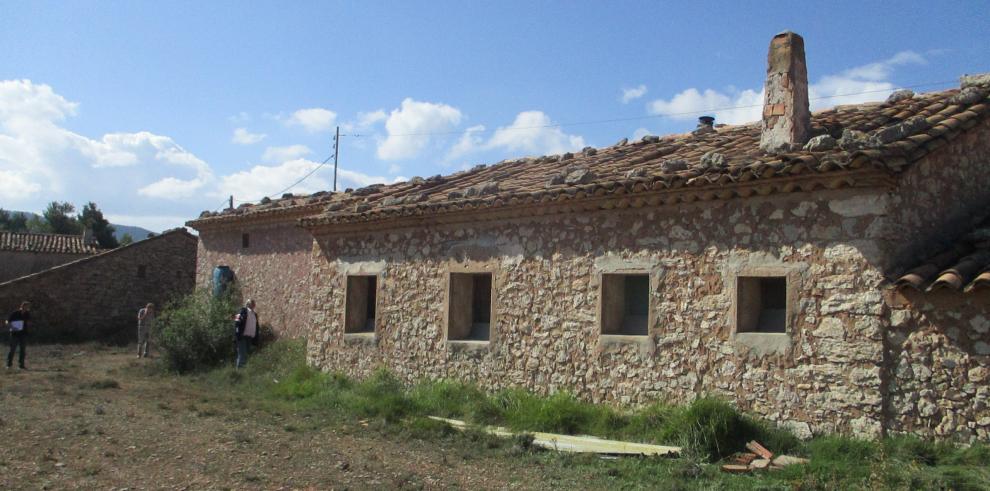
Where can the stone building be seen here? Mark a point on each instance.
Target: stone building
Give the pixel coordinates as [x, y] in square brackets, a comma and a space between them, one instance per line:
[25, 253]
[826, 271]
[98, 297]
[269, 254]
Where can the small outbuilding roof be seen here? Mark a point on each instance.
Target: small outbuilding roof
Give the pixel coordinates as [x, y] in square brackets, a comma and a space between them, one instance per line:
[46, 243]
[965, 266]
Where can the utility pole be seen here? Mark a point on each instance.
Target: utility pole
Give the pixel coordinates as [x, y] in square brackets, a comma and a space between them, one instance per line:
[336, 152]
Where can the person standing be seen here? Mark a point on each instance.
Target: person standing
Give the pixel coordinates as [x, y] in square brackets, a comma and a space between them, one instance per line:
[18, 321]
[146, 322]
[245, 331]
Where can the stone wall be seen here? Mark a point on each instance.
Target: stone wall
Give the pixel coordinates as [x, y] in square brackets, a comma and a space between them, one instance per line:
[98, 297]
[938, 198]
[823, 375]
[17, 264]
[939, 347]
[273, 270]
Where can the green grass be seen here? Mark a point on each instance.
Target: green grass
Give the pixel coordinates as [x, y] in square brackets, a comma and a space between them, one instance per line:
[102, 384]
[708, 430]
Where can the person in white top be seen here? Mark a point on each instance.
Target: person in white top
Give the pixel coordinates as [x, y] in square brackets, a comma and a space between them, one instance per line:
[246, 327]
[146, 322]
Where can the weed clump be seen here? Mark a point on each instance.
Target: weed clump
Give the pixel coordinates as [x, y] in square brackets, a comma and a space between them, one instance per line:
[195, 331]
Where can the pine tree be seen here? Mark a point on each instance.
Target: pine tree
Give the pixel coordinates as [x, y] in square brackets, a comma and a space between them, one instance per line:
[92, 218]
[60, 220]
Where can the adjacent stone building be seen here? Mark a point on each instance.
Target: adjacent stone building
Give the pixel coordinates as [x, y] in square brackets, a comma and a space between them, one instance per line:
[25, 253]
[269, 254]
[826, 271]
[98, 297]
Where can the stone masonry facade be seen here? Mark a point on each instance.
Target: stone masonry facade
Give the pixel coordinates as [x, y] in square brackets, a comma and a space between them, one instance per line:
[17, 264]
[273, 269]
[857, 357]
[546, 336]
[98, 297]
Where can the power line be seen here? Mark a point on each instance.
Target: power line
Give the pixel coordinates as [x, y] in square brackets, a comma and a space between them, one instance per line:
[667, 115]
[301, 179]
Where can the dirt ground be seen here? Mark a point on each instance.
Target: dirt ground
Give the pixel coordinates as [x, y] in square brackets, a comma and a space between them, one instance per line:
[93, 417]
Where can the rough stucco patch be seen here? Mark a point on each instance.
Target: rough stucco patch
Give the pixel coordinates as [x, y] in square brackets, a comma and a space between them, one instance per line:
[857, 206]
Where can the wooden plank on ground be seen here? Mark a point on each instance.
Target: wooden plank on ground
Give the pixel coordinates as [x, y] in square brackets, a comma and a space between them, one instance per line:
[574, 443]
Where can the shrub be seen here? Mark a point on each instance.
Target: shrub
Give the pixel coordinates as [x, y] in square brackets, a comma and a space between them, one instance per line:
[196, 331]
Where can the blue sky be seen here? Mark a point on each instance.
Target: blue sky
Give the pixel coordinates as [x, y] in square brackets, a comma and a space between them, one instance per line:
[158, 110]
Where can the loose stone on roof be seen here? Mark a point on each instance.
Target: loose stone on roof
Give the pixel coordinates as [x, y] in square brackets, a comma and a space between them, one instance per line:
[821, 143]
[900, 95]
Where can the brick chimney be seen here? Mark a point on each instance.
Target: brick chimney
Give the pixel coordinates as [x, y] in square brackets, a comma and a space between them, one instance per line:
[786, 117]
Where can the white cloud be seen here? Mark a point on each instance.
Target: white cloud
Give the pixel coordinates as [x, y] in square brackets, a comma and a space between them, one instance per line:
[469, 142]
[16, 186]
[263, 180]
[856, 85]
[244, 137]
[172, 188]
[41, 156]
[531, 133]
[734, 107]
[367, 119]
[409, 127]
[354, 179]
[633, 93]
[282, 154]
[882, 70]
[313, 120]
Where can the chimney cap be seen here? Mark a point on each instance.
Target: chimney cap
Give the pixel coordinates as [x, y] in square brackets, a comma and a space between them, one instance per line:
[706, 120]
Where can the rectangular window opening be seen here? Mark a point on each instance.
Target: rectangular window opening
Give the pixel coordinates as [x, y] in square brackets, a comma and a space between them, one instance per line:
[625, 304]
[470, 307]
[245, 241]
[142, 271]
[360, 311]
[762, 304]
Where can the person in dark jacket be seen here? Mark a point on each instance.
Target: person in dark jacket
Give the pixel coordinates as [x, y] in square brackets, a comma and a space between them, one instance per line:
[246, 327]
[18, 322]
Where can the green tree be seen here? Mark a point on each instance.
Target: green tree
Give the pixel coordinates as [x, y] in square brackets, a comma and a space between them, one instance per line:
[38, 225]
[60, 219]
[92, 218]
[126, 239]
[13, 222]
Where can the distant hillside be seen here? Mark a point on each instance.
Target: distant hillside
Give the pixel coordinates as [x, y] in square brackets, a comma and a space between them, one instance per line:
[137, 233]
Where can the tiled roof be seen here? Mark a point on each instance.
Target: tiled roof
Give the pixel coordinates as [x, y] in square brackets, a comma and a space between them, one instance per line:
[965, 266]
[717, 164]
[46, 243]
[100, 253]
[289, 207]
